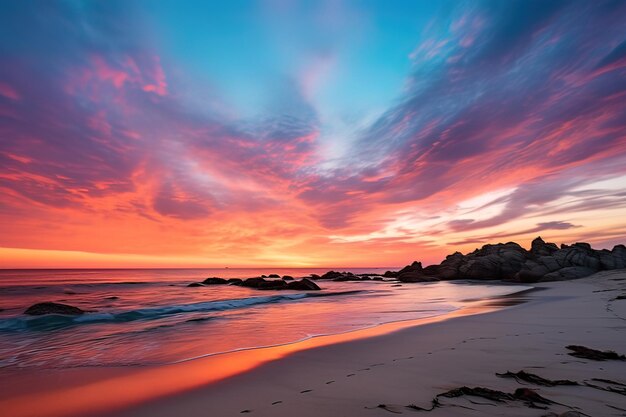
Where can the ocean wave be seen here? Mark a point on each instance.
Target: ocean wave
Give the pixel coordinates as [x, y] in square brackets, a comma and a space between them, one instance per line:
[55, 321]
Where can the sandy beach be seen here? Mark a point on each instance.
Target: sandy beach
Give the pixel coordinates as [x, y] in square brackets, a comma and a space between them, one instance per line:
[411, 366]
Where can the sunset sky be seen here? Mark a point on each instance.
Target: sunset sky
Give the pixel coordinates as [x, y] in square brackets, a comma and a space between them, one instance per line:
[327, 133]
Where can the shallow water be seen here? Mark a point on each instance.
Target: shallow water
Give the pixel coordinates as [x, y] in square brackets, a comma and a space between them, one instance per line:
[148, 317]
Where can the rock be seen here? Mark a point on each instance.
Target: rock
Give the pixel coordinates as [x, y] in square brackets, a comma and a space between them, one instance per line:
[314, 276]
[390, 274]
[263, 276]
[196, 284]
[304, 284]
[113, 297]
[614, 259]
[235, 281]
[287, 278]
[510, 262]
[540, 248]
[570, 272]
[215, 281]
[331, 275]
[53, 308]
[273, 276]
[416, 276]
[527, 277]
[263, 284]
[415, 266]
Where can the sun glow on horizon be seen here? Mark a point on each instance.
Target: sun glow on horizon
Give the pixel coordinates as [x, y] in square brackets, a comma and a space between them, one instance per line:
[146, 134]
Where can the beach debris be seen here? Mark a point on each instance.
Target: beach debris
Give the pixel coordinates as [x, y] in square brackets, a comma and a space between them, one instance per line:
[386, 408]
[594, 354]
[609, 386]
[535, 379]
[53, 308]
[529, 397]
[489, 394]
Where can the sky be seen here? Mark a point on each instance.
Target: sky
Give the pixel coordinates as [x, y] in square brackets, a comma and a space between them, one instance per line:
[322, 133]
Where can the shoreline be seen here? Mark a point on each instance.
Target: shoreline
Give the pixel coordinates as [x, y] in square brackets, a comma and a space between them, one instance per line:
[79, 389]
[414, 364]
[396, 364]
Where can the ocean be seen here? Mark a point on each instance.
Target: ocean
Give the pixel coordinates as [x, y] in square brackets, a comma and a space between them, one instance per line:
[142, 317]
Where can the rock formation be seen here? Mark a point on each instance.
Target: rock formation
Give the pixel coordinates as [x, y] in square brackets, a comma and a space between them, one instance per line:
[53, 308]
[510, 262]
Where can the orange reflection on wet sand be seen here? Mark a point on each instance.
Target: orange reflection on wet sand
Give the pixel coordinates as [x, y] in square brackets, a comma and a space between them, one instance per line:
[118, 391]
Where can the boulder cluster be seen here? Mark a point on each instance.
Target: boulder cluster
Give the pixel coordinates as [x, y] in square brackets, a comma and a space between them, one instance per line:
[261, 283]
[347, 276]
[511, 262]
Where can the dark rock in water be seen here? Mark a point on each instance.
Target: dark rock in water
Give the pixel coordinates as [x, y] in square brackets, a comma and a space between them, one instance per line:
[315, 276]
[390, 274]
[215, 281]
[273, 276]
[235, 281]
[377, 278]
[287, 278]
[53, 308]
[331, 275]
[264, 284]
[304, 284]
[263, 276]
[196, 284]
[114, 297]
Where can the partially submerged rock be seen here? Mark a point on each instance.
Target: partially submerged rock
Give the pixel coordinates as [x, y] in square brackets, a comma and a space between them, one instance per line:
[215, 281]
[264, 284]
[304, 284]
[53, 308]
